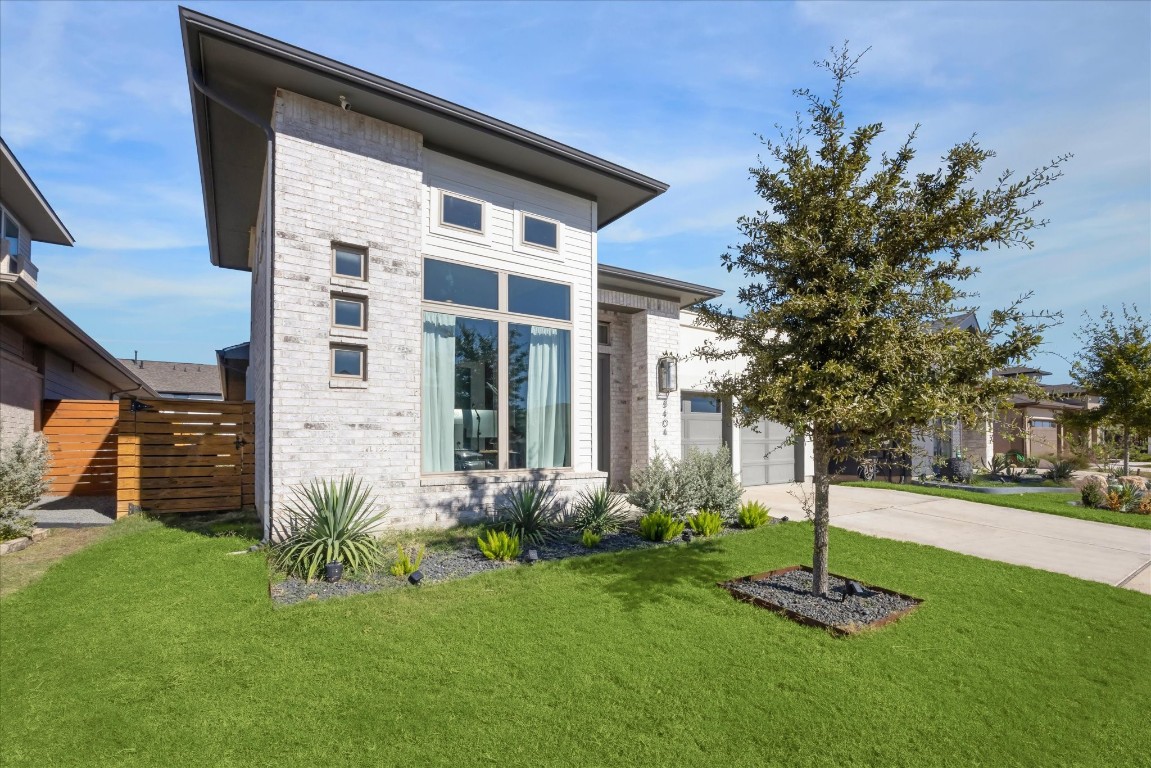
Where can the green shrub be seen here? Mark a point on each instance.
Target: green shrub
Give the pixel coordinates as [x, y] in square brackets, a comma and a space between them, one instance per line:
[1061, 469]
[658, 486]
[659, 526]
[752, 514]
[530, 513]
[499, 545]
[590, 538]
[705, 523]
[407, 562]
[23, 465]
[599, 510]
[330, 522]
[707, 482]
[999, 465]
[1093, 492]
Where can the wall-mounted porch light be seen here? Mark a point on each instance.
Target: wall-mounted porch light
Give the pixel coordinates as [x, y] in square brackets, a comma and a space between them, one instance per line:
[667, 375]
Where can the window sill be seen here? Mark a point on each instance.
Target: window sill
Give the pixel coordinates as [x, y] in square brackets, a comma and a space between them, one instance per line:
[351, 284]
[349, 333]
[347, 384]
[507, 476]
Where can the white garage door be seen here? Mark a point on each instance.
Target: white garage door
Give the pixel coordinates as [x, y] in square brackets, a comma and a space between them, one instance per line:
[763, 456]
[702, 422]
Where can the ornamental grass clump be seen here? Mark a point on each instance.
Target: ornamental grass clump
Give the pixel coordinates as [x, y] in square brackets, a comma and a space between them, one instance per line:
[599, 510]
[330, 522]
[705, 523]
[530, 513]
[499, 545]
[752, 514]
[659, 526]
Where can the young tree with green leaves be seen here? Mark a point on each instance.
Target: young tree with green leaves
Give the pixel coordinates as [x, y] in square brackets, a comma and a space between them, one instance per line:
[851, 271]
[1115, 364]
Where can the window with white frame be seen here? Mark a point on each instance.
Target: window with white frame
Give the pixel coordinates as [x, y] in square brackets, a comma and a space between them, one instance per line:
[348, 362]
[496, 370]
[349, 261]
[462, 212]
[11, 233]
[349, 312]
[540, 232]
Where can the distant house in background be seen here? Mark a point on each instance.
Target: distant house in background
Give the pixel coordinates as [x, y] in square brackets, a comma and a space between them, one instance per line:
[1033, 427]
[43, 354]
[233, 365]
[182, 381]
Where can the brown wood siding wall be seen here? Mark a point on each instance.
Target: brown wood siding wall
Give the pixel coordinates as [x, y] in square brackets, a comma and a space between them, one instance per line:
[81, 438]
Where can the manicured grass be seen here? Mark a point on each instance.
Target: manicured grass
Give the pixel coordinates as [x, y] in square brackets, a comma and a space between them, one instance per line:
[1049, 503]
[156, 647]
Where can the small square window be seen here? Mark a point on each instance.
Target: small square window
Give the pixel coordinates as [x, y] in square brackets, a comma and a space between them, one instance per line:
[349, 262]
[348, 312]
[604, 333]
[348, 362]
[540, 232]
[461, 212]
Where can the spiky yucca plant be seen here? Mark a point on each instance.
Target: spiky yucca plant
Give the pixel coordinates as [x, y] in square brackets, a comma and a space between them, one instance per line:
[330, 522]
[599, 510]
[530, 513]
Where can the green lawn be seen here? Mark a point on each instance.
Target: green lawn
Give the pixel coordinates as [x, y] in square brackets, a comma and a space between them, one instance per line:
[1050, 503]
[156, 647]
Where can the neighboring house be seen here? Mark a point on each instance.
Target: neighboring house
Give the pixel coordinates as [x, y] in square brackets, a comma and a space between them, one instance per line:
[43, 354]
[427, 304]
[181, 381]
[232, 363]
[1033, 428]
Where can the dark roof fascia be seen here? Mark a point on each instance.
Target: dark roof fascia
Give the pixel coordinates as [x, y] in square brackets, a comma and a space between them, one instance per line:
[194, 24]
[33, 296]
[45, 227]
[657, 281]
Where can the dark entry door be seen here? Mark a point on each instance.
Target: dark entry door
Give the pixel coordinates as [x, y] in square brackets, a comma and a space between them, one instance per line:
[603, 419]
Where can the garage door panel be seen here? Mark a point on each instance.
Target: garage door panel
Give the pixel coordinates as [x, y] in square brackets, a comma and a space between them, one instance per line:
[764, 455]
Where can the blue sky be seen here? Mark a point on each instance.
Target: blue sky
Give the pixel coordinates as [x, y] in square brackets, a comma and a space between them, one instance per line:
[94, 101]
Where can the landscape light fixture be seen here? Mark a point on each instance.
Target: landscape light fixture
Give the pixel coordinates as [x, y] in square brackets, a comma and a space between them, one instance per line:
[855, 589]
[415, 578]
[667, 374]
[533, 557]
[686, 535]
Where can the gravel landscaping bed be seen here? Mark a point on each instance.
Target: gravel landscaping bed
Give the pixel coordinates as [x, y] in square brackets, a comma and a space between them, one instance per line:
[446, 565]
[791, 591]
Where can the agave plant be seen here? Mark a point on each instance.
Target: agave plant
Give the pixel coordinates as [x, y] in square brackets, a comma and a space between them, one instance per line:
[530, 513]
[330, 522]
[599, 510]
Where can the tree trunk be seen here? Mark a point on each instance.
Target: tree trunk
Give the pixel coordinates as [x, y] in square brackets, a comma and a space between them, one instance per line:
[820, 445]
[1126, 450]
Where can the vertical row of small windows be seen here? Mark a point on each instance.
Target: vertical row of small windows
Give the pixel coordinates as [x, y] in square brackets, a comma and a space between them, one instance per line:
[11, 231]
[349, 313]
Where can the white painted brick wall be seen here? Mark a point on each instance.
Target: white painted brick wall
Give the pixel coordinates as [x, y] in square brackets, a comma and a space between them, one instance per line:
[656, 420]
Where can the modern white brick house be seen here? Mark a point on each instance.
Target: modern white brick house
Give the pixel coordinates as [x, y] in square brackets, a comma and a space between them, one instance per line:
[428, 309]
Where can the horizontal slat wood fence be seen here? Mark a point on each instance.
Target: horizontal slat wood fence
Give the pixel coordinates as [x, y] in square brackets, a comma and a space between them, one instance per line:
[81, 437]
[185, 456]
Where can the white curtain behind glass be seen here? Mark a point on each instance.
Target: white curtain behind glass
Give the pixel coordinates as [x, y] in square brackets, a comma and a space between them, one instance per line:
[439, 391]
[548, 412]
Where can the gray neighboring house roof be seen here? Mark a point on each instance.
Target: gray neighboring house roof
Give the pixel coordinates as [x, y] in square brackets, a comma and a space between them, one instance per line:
[964, 322]
[629, 280]
[168, 377]
[244, 69]
[1022, 370]
[23, 198]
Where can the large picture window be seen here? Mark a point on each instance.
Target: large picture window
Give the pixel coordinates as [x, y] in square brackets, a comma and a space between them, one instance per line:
[496, 385]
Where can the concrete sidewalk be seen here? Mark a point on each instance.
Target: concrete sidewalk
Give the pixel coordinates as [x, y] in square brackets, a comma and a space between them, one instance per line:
[1113, 554]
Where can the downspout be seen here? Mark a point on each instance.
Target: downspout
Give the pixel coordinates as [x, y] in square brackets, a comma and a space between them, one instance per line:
[270, 240]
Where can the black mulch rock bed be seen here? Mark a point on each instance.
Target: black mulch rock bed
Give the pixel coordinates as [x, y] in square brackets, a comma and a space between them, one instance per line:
[446, 565]
[788, 591]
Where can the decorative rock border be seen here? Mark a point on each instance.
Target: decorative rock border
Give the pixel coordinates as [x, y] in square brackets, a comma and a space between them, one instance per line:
[15, 545]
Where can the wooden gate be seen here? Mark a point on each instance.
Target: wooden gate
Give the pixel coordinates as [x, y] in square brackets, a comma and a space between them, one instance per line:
[81, 437]
[185, 456]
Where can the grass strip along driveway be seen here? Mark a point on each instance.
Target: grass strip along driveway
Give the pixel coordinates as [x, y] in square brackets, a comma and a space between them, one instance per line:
[157, 647]
[1049, 503]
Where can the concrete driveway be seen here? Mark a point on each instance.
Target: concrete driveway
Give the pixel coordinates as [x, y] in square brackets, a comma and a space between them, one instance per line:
[1112, 554]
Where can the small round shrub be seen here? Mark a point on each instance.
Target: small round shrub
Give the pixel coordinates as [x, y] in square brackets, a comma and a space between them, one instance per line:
[752, 514]
[659, 526]
[1093, 492]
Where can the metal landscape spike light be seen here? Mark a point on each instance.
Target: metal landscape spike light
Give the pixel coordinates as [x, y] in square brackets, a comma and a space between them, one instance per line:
[415, 578]
[667, 374]
[686, 535]
[533, 557]
[855, 589]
